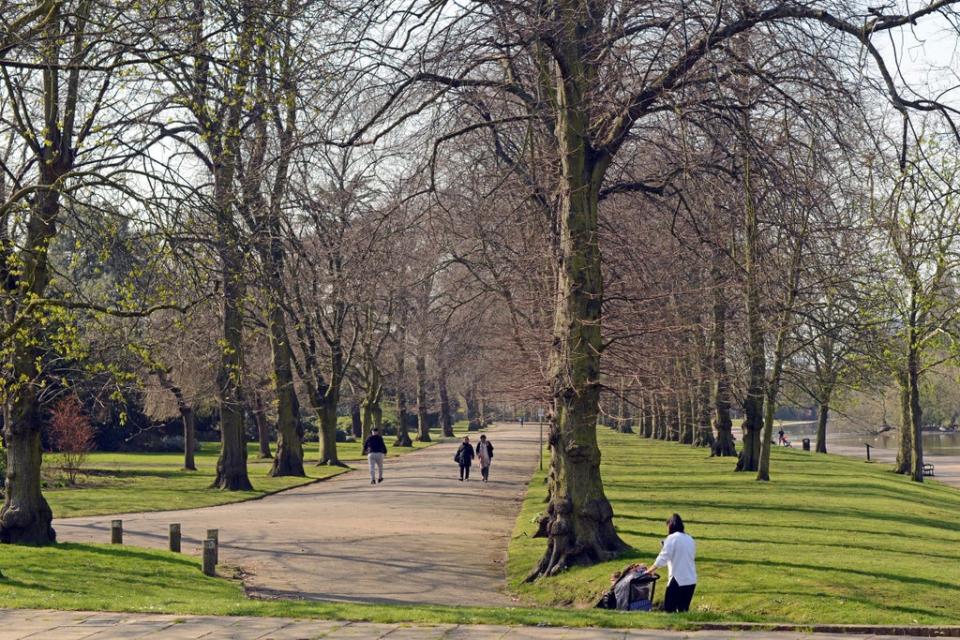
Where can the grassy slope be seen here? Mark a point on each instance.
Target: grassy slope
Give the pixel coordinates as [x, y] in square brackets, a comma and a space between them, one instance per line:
[128, 482]
[830, 540]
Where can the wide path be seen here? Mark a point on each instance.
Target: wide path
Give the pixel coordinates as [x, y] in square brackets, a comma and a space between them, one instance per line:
[421, 536]
[77, 625]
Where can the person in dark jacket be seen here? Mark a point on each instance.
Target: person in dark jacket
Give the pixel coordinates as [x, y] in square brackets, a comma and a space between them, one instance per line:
[376, 449]
[464, 458]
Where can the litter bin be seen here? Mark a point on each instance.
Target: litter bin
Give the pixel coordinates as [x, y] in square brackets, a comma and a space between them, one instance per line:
[806, 444]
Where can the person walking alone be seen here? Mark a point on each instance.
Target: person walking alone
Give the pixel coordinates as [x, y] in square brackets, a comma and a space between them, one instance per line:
[464, 458]
[677, 555]
[484, 455]
[376, 449]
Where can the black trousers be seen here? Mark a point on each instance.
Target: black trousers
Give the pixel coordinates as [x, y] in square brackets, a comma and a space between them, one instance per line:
[678, 598]
[465, 471]
[485, 472]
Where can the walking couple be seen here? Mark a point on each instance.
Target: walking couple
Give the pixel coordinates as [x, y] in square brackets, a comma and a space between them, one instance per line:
[466, 453]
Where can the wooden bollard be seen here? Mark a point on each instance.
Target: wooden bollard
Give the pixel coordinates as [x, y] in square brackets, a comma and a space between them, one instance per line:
[175, 537]
[116, 532]
[210, 557]
[214, 535]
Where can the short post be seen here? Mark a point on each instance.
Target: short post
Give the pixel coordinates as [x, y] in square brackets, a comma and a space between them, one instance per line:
[213, 535]
[868, 451]
[175, 537]
[209, 557]
[116, 532]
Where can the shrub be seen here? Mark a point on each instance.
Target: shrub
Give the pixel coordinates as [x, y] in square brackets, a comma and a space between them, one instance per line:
[71, 435]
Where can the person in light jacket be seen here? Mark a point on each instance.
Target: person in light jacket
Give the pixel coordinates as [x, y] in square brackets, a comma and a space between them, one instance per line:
[376, 449]
[485, 456]
[678, 555]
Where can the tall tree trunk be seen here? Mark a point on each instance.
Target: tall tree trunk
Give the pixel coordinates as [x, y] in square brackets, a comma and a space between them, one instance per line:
[823, 412]
[446, 419]
[326, 410]
[704, 435]
[647, 415]
[724, 445]
[263, 426]
[356, 422]
[916, 412]
[684, 422]
[423, 427]
[26, 517]
[232, 463]
[470, 397]
[579, 519]
[289, 456]
[904, 463]
[372, 413]
[749, 459]
[225, 150]
[187, 417]
[779, 353]
[326, 400]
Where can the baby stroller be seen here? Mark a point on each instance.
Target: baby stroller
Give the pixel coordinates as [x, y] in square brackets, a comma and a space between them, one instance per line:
[632, 591]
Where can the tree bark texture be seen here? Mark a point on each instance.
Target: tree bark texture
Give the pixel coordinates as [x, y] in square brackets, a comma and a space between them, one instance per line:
[356, 422]
[289, 455]
[187, 417]
[904, 463]
[446, 418]
[263, 426]
[823, 413]
[26, 517]
[225, 149]
[579, 518]
[749, 459]
[423, 427]
[724, 445]
[916, 411]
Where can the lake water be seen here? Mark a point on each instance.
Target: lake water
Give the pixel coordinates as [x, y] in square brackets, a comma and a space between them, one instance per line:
[935, 443]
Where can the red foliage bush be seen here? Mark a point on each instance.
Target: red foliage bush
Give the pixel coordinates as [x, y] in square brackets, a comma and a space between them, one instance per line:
[71, 435]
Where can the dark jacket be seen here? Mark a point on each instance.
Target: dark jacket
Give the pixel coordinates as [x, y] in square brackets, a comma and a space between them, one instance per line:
[375, 444]
[464, 454]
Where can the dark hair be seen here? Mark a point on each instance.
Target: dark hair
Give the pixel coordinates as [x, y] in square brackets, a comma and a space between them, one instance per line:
[375, 430]
[483, 437]
[675, 524]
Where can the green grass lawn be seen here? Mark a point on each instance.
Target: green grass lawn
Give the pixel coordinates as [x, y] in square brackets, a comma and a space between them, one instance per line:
[128, 482]
[830, 540]
[114, 578]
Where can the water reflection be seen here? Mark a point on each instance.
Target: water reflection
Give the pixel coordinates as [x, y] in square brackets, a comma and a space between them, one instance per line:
[935, 443]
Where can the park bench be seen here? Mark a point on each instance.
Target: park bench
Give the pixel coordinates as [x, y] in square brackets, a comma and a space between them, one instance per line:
[928, 469]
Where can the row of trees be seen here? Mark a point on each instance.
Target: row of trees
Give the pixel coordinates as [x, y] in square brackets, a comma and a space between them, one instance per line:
[668, 210]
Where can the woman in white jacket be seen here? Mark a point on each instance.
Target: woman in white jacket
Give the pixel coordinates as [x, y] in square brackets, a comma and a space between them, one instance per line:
[678, 555]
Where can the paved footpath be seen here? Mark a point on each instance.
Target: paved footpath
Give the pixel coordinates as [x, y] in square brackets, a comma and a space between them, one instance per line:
[421, 536]
[66, 625]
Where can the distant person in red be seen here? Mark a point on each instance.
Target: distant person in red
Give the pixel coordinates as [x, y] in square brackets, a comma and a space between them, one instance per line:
[678, 553]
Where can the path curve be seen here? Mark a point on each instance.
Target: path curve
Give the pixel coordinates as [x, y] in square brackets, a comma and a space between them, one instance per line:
[421, 536]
